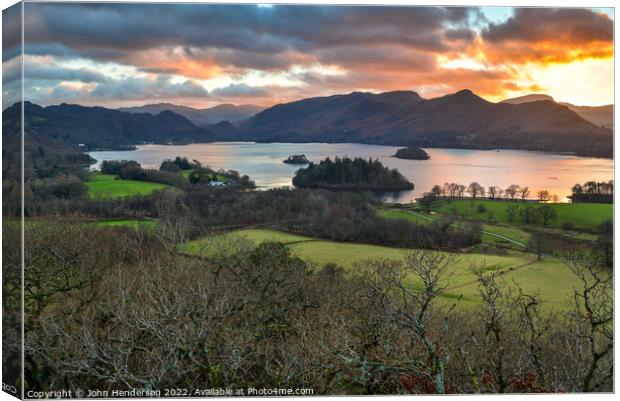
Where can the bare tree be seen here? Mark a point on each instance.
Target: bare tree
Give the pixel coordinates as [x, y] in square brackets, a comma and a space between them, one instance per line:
[543, 195]
[494, 322]
[512, 211]
[536, 243]
[493, 191]
[475, 189]
[437, 190]
[592, 320]
[524, 193]
[529, 214]
[547, 213]
[532, 327]
[410, 306]
[512, 191]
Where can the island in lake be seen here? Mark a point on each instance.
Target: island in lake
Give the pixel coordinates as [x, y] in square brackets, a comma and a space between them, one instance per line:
[411, 153]
[351, 174]
[297, 159]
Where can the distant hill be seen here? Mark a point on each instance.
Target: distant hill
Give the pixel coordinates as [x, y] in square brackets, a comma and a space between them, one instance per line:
[200, 117]
[603, 116]
[402, 118]
[98, 127]
[533, 97]
[599, 115]
[231, 112]
[460, 120]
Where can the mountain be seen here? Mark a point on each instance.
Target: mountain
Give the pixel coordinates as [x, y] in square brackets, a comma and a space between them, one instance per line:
[461, 120]
[98, 127]
[231, 112]
[599, 115]
[602, 116]
[402, 118]
[533, 97]
[200, 117]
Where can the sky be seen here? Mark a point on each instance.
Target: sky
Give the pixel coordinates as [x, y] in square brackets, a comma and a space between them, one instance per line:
[114, 54]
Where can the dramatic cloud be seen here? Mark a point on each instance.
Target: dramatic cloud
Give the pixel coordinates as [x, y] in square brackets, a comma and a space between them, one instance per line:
[197, 54]
[550, 35]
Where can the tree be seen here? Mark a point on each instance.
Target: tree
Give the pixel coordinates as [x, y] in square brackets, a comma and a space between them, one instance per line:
[437, 190]
[461, 190]
[475, 189]
[411, 307]
[450, 189]
[493, 315]
[536, 243]
[524, 193]
[493, 192]
[592, 323]
[543, 195]
[512, 211]
[511, 191]
[427, 201]
[555, 198]
[528, 214]
[547, 213]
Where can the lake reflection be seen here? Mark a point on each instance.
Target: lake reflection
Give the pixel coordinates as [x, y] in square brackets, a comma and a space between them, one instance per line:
[263, 163]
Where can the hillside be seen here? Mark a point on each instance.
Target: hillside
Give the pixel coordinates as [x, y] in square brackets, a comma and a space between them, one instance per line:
[602, 116]
[195, 116]
[461, 120]
[97, 127]
[231, 112]
[599, 115]
[201, 117]
[402, 118]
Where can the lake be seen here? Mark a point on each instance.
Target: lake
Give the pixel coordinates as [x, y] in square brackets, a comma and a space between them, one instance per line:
[263, 163]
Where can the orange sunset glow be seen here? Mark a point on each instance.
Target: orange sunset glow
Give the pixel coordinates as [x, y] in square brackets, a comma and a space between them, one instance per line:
[202, 55]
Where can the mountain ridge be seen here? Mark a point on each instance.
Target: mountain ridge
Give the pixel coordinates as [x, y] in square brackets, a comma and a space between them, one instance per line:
[602, 116]
[460, 119]
[200, 117]
[399, 118]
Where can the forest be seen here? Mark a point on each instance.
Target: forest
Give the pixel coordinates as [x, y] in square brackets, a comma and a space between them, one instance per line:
[351, 174]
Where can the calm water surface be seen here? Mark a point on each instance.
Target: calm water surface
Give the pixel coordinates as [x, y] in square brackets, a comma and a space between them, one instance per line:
[263, 163]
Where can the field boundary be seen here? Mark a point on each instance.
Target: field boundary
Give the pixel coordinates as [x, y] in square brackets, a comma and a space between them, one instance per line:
[483, 231]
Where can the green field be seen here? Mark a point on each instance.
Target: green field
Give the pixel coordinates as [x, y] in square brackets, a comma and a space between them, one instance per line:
[149, 224]
[513, 233]
[586, 216]
[549, 277]
[213, 176]
[108, 186]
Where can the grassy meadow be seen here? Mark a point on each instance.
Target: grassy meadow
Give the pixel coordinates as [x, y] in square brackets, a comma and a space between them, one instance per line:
[550, 278]
[149, 224]
[585, 216]
[513, 233]
[109, 186]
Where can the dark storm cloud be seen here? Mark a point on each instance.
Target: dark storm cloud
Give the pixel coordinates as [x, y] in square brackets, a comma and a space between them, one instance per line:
[11, 27]
[539, 24]
[126, 27]
[54, 73]
[460, 34]
[385, 58]
[543, 35]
